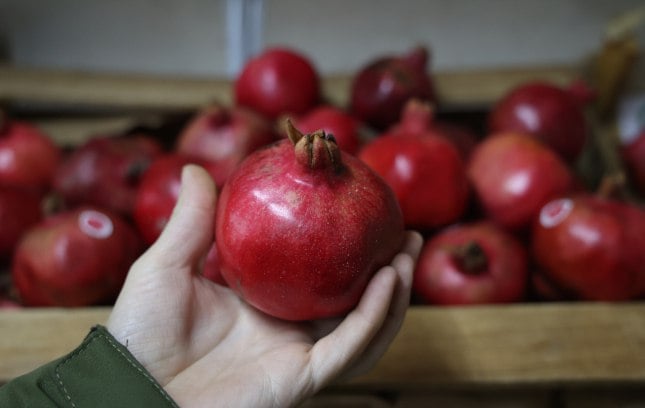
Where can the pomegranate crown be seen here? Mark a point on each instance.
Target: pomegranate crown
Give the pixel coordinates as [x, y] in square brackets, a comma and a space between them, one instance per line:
[317, 150]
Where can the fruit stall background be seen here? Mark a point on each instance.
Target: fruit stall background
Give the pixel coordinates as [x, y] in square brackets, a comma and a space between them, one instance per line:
[80, 68]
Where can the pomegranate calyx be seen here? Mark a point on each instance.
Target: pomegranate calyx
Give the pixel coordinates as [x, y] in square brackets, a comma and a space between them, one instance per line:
[417, 58]
[418, 116]
[471, 257]
[317, 150]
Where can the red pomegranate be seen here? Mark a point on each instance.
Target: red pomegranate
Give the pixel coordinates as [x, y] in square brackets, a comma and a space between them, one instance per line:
[345, 127]
[549, 113]
[425, 171]
[514, 176]
[301, 227]
[592, 247]
[277, 82]
[28, 157]
[225, 136]
[475, 263]
[158, 193]
[418, 118]
[75, 258]
[106, 171]
[19, 211]
[381, 88]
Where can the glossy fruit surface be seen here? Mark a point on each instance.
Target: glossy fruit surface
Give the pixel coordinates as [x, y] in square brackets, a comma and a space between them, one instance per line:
[592, 247]
[225, 136]
[426, 173]
[468, 264]
[75, 258]
[28, 157]
[106, 171]
[301, 227]
[278, 81]
[545, 111]
[381, 88]
[514, 176]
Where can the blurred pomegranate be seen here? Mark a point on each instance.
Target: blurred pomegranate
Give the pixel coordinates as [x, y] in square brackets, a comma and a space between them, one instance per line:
[475, 263]
[277, 82]
[28, 157]
[345, 127]
[514, 176]
[301, 227]
[592, 246]
[158, 192]
[75, 258]
[19, 211]
[381, 88]
[425, 171]
[418, 118]
[549, 113]
[106, 171]
[225, 136]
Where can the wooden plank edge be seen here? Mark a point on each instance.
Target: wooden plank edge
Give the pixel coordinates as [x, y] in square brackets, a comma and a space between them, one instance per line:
[488, 345]
[137, 91]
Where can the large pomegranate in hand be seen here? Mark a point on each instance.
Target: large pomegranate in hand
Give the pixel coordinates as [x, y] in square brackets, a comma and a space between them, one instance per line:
[19, 211]
[470, 264]
[592, 247]
[225, 136]
[278, 81]
[551, 114]
[381, 88]
[106, 171]
[514, 176]
[301, 227]
[75, 258]
[28, 157]
[426, 172]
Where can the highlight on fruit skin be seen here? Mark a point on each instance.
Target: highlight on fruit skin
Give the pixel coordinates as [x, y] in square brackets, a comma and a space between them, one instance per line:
[301, 227]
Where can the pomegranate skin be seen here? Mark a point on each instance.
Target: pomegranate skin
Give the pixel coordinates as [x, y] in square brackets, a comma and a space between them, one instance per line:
[381, 88]
[345, 128]
[545, 111]
[276, 82]
[426, 173]
[28, 158]
[514, 176]
[106, 171]
[225, 136]
[75, 258]
[592, 247]
[467, 264]
[301, 243]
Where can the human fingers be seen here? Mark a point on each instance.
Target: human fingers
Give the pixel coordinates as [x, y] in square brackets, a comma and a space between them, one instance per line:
[189, 231]
[404, 264]
[333, 353]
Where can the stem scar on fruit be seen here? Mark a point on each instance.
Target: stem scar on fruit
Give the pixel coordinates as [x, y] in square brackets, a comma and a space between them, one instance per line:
[319, 149]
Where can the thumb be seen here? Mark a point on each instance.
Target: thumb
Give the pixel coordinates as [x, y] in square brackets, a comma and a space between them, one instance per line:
[189, 231]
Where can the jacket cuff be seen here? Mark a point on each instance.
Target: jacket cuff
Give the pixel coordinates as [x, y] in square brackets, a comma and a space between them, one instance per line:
[101, 372]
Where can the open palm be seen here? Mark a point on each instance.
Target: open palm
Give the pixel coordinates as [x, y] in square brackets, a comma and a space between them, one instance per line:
[207, 347]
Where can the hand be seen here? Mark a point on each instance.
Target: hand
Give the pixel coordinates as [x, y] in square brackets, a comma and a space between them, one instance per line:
[207, 347]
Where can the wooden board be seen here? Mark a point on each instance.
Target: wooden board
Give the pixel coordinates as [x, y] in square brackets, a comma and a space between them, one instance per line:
[130, 91]
[519, 345]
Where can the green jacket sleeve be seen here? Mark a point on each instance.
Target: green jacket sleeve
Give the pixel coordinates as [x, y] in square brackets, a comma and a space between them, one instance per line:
[99, 373]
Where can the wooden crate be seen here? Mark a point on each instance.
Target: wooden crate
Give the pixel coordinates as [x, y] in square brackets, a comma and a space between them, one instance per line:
[543, 348]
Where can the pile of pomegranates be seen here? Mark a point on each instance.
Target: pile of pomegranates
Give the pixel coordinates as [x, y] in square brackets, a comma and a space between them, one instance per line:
[314, 197]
